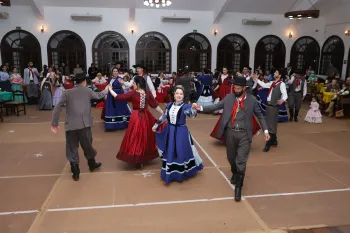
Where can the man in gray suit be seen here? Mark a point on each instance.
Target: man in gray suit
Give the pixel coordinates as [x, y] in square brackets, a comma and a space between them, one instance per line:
[185, 81]
[78, 123]
[236, 125]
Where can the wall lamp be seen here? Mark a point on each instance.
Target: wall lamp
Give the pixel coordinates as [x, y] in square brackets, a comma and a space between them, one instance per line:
[215, 32]
[42, 28]
[347, 32]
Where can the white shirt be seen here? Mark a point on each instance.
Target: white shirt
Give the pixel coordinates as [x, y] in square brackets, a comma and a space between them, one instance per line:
[173, 111]
[298, 88]
[269, 84]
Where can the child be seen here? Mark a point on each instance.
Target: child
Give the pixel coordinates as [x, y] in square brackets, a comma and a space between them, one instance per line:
[314, 115]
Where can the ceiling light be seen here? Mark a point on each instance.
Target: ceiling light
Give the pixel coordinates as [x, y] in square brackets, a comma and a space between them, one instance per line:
[302, 14]
[157, 3]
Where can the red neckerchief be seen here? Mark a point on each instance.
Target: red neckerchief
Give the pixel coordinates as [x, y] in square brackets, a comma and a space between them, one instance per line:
[297, 81]
[31, 71]
[274, 84]
[237, 103]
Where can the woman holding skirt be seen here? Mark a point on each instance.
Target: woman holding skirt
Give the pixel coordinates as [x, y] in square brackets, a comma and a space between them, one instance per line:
[180, 159]
[139, 143]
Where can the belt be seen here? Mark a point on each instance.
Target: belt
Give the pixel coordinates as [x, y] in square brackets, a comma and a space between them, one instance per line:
[238, 129]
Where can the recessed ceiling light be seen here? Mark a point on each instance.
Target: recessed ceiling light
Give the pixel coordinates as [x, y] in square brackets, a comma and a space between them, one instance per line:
[299, 15]
[309, 17]
[291, 16]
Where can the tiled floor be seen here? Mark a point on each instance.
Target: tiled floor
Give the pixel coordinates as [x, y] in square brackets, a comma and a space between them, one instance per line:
[302, 184]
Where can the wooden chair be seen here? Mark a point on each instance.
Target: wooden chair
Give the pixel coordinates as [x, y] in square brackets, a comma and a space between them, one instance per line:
[14, 105]
[1, 107]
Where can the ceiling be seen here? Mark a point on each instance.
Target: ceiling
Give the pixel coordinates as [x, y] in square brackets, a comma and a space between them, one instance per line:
[244, 6]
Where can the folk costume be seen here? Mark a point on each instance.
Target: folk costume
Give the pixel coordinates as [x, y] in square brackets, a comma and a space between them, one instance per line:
[277, 91]
[139, 142]
[297, 92]
[31, 80]
[314, 115]
[180, 159]
[78, 124]
[236, 126]
[45, 102]
[206, 93]
[116, 114]
[223, 88]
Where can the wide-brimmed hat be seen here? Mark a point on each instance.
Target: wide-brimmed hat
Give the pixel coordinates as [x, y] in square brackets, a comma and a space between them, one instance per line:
[239, 81]
[139, 65]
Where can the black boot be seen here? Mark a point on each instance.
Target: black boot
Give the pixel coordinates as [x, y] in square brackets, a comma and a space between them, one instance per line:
[291, 114]
[238, 187]
[93, 165]
[75, 170]
[273, 140]
[296, 115]
[268, 145]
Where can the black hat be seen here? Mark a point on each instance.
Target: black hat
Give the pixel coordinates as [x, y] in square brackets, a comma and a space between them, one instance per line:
[239, 81]
[139, 65]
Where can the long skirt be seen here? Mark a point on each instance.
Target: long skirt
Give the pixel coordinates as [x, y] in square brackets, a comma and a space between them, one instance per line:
[180, 159]
[18, 87]
[57, 96]
[45, 100]
[116, 113]
[139, 142]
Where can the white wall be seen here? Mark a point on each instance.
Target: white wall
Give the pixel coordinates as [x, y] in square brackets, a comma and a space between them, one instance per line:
[58, 18]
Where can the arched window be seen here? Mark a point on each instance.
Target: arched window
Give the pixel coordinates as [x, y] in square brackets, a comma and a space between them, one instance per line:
[18, 48]
[305, 52]
[332, 52]
[67, 47]
[153, 49]
[233, 52]
[194, 53]
[108, 48]
[270, 52]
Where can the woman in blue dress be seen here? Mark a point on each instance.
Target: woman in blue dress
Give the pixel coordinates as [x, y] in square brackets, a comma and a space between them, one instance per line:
[262, 100]
[116, 113]
[180, 159]
[206, 93]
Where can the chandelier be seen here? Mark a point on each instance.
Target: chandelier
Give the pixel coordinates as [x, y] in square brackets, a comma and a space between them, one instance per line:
[157, 3]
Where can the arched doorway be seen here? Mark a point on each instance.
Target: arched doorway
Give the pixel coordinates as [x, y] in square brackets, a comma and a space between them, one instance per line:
[270, 51]
[67, 47]
[108, 48]
[305, 52]
[332, 52]
[194, 53]
[153, 49]
[348, 67]
[18, 48]
[233, 52]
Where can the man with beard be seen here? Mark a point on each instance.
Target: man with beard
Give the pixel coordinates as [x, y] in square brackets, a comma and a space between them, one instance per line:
[236, 125]
[297, 93]
[276, 96]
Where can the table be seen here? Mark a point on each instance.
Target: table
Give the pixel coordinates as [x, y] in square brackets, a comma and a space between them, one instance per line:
[328, 96]
[6, 96]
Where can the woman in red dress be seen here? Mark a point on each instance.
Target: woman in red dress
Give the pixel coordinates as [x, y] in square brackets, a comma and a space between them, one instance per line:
[139, 143]
[224, 86]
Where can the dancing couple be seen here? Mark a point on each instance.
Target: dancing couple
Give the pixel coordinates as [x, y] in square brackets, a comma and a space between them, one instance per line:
[146, 138]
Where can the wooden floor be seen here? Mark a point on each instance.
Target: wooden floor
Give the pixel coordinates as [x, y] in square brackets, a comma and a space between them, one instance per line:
[302, 184]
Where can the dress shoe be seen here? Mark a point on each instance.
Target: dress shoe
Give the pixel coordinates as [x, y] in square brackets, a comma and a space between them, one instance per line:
[267, 146]
[93, 165]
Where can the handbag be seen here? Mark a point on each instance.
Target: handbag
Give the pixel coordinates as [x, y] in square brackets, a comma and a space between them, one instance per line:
[339, 113]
